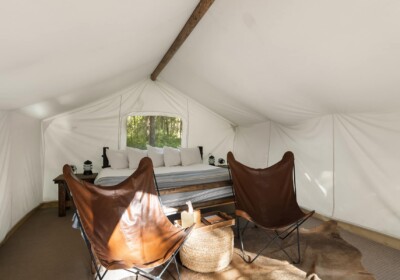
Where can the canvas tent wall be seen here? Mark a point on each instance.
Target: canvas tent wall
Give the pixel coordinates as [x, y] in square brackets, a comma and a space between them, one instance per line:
[21, 168]
[338, 173]
[346, 165]
[80, 134]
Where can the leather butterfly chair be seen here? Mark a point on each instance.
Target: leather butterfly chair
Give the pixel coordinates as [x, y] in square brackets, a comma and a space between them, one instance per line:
[124, 226]
[267, 198]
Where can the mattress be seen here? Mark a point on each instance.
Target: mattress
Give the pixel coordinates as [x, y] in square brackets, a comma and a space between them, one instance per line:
[175, 177]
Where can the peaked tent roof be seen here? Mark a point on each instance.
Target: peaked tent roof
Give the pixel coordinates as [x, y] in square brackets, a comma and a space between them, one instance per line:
[247, 60]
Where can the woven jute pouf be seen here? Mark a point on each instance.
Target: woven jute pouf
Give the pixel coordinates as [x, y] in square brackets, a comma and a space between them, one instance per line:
[208, 251]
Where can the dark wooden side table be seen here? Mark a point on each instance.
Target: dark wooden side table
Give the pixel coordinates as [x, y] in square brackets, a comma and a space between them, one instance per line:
[62, 193]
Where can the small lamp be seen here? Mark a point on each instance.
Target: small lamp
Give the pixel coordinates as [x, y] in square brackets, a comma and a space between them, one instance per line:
[87, 167]
[73, 167]
[211, 160]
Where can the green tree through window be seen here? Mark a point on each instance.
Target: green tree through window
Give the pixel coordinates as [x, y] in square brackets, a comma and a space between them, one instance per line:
[157, 131]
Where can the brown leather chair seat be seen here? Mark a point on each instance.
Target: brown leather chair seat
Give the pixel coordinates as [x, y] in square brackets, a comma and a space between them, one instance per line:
[267, 198]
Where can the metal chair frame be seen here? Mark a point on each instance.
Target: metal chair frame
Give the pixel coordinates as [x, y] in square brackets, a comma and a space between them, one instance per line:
[274, 238]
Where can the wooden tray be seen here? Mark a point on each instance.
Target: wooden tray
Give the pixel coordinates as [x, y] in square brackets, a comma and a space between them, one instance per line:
[222, 220]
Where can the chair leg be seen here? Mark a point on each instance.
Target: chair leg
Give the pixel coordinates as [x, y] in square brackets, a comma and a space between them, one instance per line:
[244, 256]
[262, 249]
[237, 227]
[173, 258]
[240, 238]
[104, 274]
[283, 235]
[298, 245]
[177, 268]
[96, 267]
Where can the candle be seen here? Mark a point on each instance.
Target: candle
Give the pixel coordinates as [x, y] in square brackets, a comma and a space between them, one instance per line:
[187, 217]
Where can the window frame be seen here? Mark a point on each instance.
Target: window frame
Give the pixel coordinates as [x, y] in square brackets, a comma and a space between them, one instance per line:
[123, 134]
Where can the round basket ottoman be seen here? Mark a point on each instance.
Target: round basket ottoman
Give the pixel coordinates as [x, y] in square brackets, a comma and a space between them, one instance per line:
[208, 251]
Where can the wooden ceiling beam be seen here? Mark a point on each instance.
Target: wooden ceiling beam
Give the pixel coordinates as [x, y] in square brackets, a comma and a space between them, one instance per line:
[191, 23]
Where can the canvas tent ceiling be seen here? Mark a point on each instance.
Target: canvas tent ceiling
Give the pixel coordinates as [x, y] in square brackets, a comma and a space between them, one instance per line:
[282, 60]
[64, 54]
[293, 60]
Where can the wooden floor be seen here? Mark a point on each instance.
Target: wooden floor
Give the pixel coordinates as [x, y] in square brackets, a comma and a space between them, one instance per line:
[46, 247]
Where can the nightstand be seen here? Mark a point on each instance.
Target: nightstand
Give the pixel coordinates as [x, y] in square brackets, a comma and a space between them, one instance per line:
[62, 190]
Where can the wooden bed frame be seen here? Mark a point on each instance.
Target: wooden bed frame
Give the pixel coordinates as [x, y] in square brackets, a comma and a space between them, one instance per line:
[189, 188]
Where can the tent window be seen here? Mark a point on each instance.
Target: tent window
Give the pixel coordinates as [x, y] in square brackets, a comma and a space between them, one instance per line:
[157, 131]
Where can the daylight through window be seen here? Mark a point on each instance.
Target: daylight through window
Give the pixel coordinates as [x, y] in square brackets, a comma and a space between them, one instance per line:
[157, 131]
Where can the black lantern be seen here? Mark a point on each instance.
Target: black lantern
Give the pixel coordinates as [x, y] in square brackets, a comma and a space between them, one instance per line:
[87, 167]
[211, 160]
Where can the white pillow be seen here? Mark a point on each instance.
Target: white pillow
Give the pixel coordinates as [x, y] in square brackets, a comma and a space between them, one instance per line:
[118, 159]
[172, 156]
[134, 157]
[156, 155]
[190, 156]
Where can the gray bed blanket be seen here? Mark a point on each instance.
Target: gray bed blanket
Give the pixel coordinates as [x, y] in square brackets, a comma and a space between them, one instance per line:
[176, 179]
[180, 179]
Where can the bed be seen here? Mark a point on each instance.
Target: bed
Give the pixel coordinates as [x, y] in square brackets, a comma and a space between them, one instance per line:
[204, 185]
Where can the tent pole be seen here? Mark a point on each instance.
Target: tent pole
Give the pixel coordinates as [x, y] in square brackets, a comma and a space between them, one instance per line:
[191, 23]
